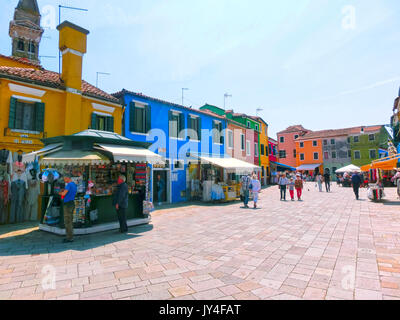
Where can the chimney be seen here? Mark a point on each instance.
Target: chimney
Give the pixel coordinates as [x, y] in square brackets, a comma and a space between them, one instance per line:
[72, 44]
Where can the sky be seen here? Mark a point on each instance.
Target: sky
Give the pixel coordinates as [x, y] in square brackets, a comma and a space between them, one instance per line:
[320, 63]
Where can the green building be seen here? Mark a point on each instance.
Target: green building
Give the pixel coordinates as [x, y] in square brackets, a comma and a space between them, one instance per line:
[368, 144]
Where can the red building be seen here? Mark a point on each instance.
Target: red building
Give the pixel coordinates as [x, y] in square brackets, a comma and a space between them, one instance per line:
[287, 145]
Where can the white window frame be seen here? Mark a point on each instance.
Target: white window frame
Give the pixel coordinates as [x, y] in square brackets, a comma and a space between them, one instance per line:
[334, 142]
[370, 136]
[256, 149]
[280, 139]
[296, 136]
[257, 127]
[302, 156]
[242, 139]
[230, 134]
[248, 148]
[248, 125]
[315, 143]
[316, 153]
[355, 158]
[301, 145]
[370, 153]
[354, 139]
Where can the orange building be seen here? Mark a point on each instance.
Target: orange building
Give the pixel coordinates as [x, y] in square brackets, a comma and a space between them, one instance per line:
[309, 150]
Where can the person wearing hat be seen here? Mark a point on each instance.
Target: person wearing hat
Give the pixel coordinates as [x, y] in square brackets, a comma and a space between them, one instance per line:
[68, 196]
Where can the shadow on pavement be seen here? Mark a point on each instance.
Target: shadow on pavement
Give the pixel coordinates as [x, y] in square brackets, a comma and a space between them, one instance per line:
[391, 203]
[35, 242]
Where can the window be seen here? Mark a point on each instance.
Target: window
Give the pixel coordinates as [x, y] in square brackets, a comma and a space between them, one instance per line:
[282, 154]
[372, 154]
[267, 150]
[301, 144]
[334, 155]
[176, 124]
[316, 155]
[102, 123]
[349, 153]
[348, 140]
[266, 131]
[357, 155]
[294, 153]
[248, 124]
[256, 149]
[356, 139]
[242, 137]
[26, 115]
[230, 139]
[302, 156]
[325, 142]
[334, 169]
[270, 150]
[282, 139]
[296, 136]
[326, 155]
[262, 150]
[217, 132]
[257, 127]
[194, 128]
[371, 137]
[315, 143]
[21, 45]
[248, 146]
[32, 47]
[333, 141]
[263, 171]
[139, 118]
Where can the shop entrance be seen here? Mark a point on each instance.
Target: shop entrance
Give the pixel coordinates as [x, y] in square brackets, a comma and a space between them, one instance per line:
[160, 186]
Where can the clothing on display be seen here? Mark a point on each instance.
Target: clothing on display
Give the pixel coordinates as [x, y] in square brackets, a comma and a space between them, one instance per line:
[32, 200]
[18, 192]
[217, 192]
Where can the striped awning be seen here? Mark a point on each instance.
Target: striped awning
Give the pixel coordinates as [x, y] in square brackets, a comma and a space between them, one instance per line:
[75, 157]
[131, 154]
[31, 157]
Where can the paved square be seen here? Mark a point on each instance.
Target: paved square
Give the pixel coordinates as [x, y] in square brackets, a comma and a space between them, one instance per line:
[328, 247]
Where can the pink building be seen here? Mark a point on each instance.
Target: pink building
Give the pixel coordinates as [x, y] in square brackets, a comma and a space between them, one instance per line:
[287, 145]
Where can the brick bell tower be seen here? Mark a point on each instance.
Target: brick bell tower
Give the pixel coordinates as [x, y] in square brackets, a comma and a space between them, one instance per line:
[25, 30]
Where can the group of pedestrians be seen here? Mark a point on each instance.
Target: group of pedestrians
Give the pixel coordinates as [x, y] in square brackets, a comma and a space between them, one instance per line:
[321, 179]
[292, 183]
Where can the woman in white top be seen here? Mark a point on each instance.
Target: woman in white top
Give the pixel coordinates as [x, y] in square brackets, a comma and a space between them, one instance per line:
[319, 182]
[256, 189]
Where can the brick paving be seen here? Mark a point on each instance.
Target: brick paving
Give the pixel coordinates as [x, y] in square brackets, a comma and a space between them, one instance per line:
[327, 247]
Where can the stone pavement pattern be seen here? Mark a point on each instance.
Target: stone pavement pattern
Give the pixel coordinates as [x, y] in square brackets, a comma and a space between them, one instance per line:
[327, 247]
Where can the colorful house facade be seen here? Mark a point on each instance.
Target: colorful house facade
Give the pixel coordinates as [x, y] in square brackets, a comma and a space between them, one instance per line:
[179, 134]
[263, 150]
[395, 122]
[36, 103]
[287, 144]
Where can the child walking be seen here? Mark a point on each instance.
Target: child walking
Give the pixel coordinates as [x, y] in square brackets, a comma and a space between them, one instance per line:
[291, 188]
[299, 187]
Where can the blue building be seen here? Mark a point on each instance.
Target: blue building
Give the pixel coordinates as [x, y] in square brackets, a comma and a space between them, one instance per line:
[180, 134]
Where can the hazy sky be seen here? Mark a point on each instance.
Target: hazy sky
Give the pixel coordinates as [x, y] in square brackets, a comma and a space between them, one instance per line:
[321, 63]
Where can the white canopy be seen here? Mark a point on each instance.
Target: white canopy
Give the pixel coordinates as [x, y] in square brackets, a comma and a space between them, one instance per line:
[231, 164]
[308, 167]
[349, 168]
[31, 157]
[131, 154]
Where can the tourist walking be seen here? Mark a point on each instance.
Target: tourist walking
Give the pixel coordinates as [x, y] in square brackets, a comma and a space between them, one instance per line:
[356, 181]
[256, 189]
[299, 187]
[283, 182]
[246, 182]
[319, 181]
[120, 201]
[327, 179]
[291, 188]
[68, 196]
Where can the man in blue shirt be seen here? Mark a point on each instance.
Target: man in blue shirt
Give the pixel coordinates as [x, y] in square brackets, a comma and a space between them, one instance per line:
[68, 196]
[356, 181]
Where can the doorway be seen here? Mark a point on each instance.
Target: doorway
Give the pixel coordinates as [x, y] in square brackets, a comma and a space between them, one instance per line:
[160, 186]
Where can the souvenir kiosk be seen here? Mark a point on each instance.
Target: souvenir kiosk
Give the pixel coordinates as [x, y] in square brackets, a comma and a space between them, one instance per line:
[220, 177]
[375, 173]
[95, 160]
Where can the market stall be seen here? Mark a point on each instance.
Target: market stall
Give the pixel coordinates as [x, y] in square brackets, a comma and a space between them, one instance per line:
[220, 177]
[95, 160]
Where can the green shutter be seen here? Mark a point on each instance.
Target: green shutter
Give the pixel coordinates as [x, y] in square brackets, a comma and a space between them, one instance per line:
[12, 113]
[132, 116]
[199, 128]
[110, 124]
[181, 126]
[148, 118]
[94, 121]
[39, 116]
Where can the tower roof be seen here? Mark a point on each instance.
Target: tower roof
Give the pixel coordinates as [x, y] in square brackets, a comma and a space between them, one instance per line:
[30, 6]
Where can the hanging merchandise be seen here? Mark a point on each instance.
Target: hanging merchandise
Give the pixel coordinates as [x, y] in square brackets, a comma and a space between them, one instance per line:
[32, 200]
[18, 191]
[4, 197]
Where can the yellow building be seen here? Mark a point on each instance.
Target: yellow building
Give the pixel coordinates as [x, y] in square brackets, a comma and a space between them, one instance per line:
[36, 103]
[264, 153]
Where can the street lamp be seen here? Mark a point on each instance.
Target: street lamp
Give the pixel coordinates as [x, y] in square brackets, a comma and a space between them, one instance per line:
[226, 95]
[97, 77]
[183, 89]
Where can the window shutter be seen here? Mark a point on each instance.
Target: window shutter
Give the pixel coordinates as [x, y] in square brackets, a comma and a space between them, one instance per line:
[39, 116]
[94, 121]
[181, 132]
[12, 114]
[110, 124]
[199, 128]
[169, 122]
[221, 135]
[132, 116]
[148, 118]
